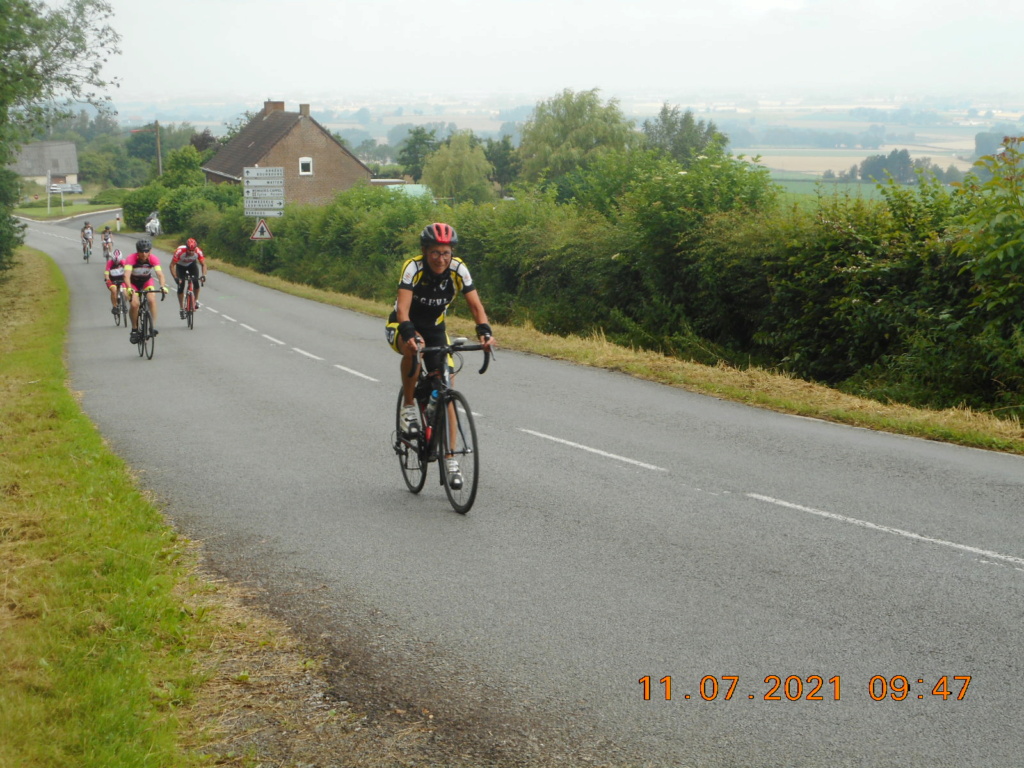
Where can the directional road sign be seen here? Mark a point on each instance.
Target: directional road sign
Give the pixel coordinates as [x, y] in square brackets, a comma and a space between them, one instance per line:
[270, 172]
[263, 191]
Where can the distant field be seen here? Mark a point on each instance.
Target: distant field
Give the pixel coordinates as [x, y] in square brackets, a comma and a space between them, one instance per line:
[813, 187]
[817, 161]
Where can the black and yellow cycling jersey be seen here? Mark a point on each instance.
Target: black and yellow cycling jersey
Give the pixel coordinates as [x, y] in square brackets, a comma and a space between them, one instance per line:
[433, 293]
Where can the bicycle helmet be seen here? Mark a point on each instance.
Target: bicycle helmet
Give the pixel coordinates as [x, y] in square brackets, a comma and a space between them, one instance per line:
[438, 234]
[143, 245]
[116, 255]
[191, 244]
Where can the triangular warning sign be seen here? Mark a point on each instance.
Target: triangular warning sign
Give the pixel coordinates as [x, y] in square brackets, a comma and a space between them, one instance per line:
[262, 231]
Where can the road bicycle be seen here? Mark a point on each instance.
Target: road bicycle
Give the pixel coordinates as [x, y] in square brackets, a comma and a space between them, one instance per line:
[188, 301]
[147, 339]
[446, 428]
[86, 249]
[121, 310]
[108, 249]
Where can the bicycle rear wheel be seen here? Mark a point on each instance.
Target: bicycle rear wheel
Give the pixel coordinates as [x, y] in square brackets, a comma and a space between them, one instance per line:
[410, 452]
[457, 440]
[122, 302]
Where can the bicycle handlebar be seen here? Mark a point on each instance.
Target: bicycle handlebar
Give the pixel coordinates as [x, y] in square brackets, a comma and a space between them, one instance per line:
[449, 348]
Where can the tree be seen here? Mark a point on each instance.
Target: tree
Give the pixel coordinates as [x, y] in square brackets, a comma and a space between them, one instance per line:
[235, 127]
[205, 141]
[570, 130]
[183, 169]
[680, 136]
[459, 170]
[504, 159]
[51, 58]
[414, 150]
[994, 245]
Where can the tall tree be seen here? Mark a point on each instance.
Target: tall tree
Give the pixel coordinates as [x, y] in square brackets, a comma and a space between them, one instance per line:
[568, 131]
[50, 59]
[459, 170]
[681, 136]
[414, 150]
[504, 159]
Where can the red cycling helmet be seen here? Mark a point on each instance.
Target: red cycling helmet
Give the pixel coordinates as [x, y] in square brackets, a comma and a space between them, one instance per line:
[191, 244]
[438, 234]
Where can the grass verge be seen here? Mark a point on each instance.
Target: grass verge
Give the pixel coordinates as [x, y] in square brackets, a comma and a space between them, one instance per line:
[117, 649]
[754, 386]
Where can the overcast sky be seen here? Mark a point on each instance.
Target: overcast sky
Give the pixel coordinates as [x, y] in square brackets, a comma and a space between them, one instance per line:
[317, 49]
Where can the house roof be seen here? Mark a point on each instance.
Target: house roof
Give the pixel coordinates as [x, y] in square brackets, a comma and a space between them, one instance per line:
[252, 143]
[38, 158]
[255, 140]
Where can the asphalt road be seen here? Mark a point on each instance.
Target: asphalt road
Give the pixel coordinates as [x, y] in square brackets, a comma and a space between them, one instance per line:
[623, 531]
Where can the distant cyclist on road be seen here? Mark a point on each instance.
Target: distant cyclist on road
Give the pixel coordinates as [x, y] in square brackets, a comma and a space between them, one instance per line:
[113, 275]
[107, 241]
[185, 263]
[139, 270]
[428, 285]
[87, 235]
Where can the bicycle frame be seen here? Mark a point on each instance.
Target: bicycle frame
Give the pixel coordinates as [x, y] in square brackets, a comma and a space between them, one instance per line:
[448, 436]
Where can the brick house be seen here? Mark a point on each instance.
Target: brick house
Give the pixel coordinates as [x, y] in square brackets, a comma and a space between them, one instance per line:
[316, 165]
[55, 162]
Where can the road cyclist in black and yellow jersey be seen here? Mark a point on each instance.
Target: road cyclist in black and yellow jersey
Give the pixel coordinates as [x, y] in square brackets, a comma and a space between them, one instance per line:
[428, 285]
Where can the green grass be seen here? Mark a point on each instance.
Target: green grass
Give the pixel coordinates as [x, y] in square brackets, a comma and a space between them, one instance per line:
[56, 212]
[95, 663]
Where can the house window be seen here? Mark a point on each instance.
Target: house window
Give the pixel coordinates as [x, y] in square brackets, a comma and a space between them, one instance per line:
[305, 166]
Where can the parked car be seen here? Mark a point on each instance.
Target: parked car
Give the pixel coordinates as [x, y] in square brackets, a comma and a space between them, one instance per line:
[73, 189]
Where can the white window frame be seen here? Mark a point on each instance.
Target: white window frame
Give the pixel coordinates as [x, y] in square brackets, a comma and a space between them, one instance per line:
[304, 161]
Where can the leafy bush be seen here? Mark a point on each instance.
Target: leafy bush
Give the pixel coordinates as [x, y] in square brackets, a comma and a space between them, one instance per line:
[137, 205]
[10, 228]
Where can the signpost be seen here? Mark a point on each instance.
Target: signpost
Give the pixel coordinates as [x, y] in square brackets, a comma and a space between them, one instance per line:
[263, 191]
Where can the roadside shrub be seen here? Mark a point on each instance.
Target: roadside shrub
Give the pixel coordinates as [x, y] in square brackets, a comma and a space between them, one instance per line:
[137, 205]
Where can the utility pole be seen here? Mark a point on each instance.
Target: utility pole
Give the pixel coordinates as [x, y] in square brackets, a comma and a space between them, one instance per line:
[159, 157]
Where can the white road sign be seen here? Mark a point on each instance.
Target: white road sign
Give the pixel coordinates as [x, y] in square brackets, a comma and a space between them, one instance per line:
[264, 182]
[274, 192]
[264, 213]
[262, 202]
[271, 172]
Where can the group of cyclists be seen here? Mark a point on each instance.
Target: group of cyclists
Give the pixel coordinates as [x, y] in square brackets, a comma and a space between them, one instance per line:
[428, 285]
[139, 272]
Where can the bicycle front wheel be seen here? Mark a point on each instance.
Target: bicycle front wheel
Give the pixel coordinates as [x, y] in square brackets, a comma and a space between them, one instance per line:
[190, 308]
[458, 454]
[410, 452]
[148, 339]
[123, 306]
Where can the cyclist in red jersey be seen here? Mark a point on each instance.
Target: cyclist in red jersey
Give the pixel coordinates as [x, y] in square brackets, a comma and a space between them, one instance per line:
[139, 270]
[185, 262]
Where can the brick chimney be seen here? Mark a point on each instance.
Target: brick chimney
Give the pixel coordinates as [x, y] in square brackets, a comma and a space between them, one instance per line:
[272, 106]
[304, 110]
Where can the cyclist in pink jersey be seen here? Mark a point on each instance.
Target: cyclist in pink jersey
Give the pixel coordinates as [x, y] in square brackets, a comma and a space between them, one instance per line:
[113, 276]
[139, 271]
